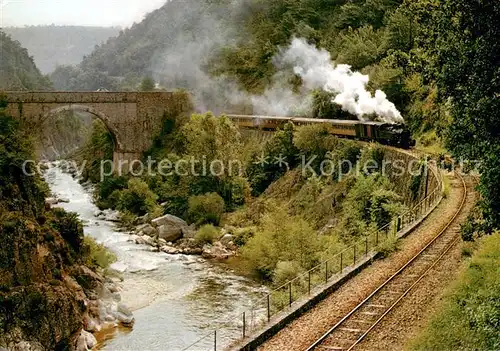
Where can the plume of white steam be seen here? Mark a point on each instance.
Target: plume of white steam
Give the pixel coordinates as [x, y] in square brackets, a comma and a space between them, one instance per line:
[279, 101]
[185, 56]
[317, 70]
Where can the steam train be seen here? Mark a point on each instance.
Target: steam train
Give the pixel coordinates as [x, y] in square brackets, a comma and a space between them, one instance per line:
[384, 133]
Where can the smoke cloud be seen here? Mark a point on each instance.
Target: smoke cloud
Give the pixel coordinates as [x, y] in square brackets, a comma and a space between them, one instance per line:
[318, 71]
[191, 44]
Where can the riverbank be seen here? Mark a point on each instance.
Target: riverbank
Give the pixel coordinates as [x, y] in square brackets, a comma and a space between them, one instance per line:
[175, 299]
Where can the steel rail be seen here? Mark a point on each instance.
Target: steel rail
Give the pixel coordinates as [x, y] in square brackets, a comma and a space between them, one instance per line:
[319, 341]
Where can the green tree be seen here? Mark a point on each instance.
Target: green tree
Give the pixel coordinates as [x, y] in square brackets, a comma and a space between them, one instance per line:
[137, 198]
[147, 84]
[468, 53]
[282, 238]
[207, 208]
[263, 168]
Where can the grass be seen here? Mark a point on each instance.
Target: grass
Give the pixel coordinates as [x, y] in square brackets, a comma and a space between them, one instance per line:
[469, 318]
[430, 143]
[389, 245]
[207, 234]
[98, 256]
[446, 184]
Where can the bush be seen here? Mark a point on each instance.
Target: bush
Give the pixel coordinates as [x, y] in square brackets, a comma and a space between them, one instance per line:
[389, 245]
[70, 228]
[206, 208]
[286, 271]
[467, 230]
[235, 192]
[281, 238]
[207, 234]
[128, 219]
[109, 191]
[97, 255]
[137, 198]
[242, 235]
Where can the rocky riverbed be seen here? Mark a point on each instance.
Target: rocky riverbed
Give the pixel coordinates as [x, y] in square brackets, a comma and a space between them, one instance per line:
[171, 286]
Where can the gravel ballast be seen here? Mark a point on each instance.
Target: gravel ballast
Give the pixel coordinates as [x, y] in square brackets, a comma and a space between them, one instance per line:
[302, 332]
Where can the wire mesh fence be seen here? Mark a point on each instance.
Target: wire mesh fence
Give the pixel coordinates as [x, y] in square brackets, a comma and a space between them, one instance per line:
[286, 295]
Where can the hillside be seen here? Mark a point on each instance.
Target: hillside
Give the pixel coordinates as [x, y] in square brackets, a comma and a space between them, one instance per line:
[291, 57]
[172, 44]
[17, 68]
[226, 52]
[48, 276]
[60, 45]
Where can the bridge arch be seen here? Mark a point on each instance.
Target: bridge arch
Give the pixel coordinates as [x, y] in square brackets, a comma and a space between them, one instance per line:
[118, 144]
[133, 118]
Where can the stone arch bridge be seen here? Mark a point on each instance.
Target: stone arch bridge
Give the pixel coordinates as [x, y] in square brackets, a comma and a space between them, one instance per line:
[133, 118]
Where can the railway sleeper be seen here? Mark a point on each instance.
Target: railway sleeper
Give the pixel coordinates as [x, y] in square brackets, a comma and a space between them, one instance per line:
[361, 321]
[326, 347]
[375, 306]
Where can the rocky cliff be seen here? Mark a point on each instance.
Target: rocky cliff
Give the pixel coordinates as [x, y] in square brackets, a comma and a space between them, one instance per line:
[48, 296]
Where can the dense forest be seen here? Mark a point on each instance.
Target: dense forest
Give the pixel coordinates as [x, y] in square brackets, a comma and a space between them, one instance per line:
[17, 68]
[253, 202]
[53, 46]
[435, 60]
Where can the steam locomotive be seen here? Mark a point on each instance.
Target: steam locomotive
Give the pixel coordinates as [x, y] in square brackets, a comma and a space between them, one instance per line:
[384, 133]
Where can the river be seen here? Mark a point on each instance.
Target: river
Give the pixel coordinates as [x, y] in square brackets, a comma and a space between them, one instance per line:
[176, 299]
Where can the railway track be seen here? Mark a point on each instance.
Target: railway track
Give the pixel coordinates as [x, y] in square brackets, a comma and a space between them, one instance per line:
[358, 323]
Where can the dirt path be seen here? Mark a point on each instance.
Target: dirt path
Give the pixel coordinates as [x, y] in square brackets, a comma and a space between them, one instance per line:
[305, 330]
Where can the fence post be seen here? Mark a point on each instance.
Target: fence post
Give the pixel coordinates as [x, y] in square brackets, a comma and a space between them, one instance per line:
[244, 325]
[366, 246]
[376, 238]
[341, 263]
[399, 224]
[309, 283]
[290, 292]
[326, 272]
[268, 308]
[215, 340]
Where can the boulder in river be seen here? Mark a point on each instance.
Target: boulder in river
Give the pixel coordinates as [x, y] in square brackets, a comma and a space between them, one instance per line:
[51, 201]
[112, 216]
[124, 315]
[169, 250]
[226, 239]
[86, 341]
[148, 240]
[169, 232]
[169, 220]
[147, 229]
[217, 251]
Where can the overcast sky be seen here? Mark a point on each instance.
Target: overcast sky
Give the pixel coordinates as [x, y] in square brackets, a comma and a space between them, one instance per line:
[75, 12]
